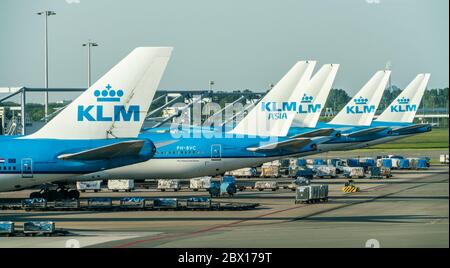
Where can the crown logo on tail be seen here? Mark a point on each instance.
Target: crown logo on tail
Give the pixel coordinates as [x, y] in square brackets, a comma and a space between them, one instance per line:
[361, 100]
[306, 98]
[403, 100]
[108, 94]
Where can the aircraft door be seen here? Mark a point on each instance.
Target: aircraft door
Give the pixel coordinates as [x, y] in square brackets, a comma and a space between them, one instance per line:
[27, 168]
[216, 152]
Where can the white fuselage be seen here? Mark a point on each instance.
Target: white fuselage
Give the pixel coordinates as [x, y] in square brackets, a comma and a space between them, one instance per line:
[176, 168]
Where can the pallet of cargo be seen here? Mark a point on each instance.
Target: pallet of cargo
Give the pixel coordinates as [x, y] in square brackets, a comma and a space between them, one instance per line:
[6, 228]
[266, 185]
[165, 204]
[39, 228]
[198, 203]
[237, 206]
[66, 204]
[34, 204]
[133, 203]
[99, 203]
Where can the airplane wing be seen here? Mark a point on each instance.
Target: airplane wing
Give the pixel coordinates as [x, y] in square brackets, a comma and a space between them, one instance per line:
[410, 128]
[315, 133]
[120, 149]
[290, 145]
[365, 132]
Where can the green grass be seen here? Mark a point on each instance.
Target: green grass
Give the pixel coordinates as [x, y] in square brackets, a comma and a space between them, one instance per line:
[436, 139]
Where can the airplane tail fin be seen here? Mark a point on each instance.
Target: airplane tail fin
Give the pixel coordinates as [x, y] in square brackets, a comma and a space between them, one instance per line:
[268, 117]
[315, 96]
[404, 107]
[361, 109]
[115, 106]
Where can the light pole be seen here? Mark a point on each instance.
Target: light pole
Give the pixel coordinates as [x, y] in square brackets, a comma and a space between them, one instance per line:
[46, 14]
[89, 44]
[211, 83]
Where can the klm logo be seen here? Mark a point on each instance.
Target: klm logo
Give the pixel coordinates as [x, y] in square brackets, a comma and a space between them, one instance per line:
[307, 107]
[97, 113]
[361, 107]
[278, 110]
[403, 106]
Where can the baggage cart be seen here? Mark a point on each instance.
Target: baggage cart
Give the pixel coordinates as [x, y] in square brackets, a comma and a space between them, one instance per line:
[266, 185]
[6, 228]
[39, 227]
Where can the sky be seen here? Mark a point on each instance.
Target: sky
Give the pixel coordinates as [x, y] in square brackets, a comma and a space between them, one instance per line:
[238, 44]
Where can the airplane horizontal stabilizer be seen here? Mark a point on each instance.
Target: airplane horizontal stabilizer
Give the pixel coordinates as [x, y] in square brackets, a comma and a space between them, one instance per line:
[410, 128]
[290, 145]
[366, 132]
[120, 149]
[315, 133]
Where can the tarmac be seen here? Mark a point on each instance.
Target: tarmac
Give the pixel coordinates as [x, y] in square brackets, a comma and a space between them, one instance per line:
[408, 210]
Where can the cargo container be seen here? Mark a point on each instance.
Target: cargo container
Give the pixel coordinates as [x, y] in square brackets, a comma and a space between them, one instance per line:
[367, 163]
[34, 203]
[353, 162]
[39, 227]
[325, 171]
[403, 164]
[214, 189]
[305, 172]
[83, 186]
[121, 185]
[165, 203]
[318, 162]
[443, 159]
[242, 172]
[354, 172]
[270, 171]
[198, 203]
[422, 164]
[301, 162]
[417, 163]
[164, 185]
[413, 162]
[384, 162]
[6, 228]
[269, 185]
[309, 194]
[132, 203]
[379, 172]
[200, 183]
[99, 203]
